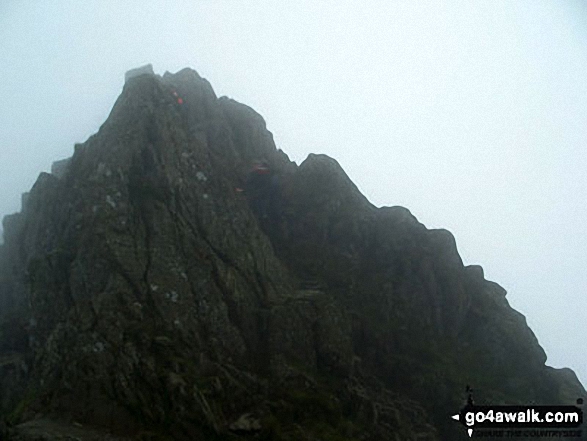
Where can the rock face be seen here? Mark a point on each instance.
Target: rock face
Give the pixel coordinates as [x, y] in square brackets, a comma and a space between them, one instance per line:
[142, 297]
[147, 69]
[58, 169]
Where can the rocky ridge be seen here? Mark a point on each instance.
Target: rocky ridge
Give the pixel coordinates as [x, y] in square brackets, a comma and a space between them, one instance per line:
[142, 298]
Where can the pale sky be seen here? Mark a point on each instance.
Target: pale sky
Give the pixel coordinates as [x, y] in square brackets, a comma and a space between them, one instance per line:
[472, 114]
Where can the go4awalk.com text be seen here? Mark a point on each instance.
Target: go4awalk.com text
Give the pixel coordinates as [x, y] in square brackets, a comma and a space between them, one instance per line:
[522, 421]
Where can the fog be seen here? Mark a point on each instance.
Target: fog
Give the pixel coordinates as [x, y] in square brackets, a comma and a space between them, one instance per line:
[473, 115]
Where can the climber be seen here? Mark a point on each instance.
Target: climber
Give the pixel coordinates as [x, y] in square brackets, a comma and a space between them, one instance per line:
[177, 97]
[262, 189]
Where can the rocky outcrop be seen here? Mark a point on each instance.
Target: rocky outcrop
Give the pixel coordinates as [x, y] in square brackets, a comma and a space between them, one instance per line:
[58, 169]
[142, 297]
[147, 69]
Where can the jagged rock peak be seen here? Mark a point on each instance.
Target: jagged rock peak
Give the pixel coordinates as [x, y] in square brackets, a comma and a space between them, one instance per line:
[148, 288]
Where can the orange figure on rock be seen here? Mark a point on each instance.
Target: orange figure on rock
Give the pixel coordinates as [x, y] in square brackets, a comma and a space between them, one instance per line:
[179, 99]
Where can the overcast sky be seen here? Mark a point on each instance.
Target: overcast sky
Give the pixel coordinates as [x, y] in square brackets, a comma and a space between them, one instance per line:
[472, 114]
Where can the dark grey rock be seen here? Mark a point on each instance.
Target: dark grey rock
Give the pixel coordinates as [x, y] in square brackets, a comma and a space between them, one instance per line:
[147, 69]
[59, 168]
[140, 293]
